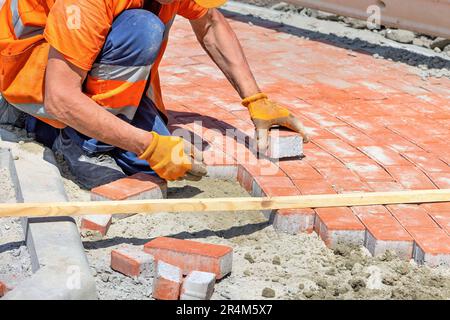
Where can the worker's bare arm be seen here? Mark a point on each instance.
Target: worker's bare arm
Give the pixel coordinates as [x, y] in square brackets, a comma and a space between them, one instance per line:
[65, 101]
[219, 40]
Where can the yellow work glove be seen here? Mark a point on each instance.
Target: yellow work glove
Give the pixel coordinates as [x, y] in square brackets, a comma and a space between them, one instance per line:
[172, 158]
[266, 114]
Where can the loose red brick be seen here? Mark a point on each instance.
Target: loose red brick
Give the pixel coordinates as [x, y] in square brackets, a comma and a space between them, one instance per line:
[384, 232]
[192, 255]
[198, 286]
[136, 187]
[167, 281]
[294, 221]
[132, 261]
[431, 247]
[339, 226]
[410, 177]
[96, 224]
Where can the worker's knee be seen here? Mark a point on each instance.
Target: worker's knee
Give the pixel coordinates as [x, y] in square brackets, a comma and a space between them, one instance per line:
[135, 39]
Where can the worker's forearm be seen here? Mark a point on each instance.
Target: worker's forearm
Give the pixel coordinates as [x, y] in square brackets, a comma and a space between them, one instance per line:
[65, 101]
[81, 113]
[221, 43]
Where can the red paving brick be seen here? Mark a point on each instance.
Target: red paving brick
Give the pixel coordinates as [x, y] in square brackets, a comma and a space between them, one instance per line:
[442, 219]
[192, 255]
[137, 186]
[98, 224]
[294, 221]
[319, 158]
[432, 246]
[385, 186]
[338, 148]
[338, 225]
[167, 281]
[368, 169]
[370, 131]
[411, 216]
[441, 179]
[384, 232]
[427, 161]
[299, 170]
[384, 155]
[131, 261]
[344, 180]
[436, 207]
[314, 187]
[411, 177]
[273, 186]
[351, 135]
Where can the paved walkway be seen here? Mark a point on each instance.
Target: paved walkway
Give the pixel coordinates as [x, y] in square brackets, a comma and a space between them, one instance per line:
[375, 126]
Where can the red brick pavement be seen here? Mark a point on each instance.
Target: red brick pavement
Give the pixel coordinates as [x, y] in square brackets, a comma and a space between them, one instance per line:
[375, 126]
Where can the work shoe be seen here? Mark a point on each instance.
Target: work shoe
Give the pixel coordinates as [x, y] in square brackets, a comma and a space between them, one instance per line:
[9, 115]
[89, 171]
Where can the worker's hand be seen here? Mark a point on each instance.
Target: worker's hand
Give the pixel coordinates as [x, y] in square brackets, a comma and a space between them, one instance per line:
[172, 158]
[266, 114]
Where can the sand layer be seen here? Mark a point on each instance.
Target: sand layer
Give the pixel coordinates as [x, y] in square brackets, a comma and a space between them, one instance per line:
[293, 266]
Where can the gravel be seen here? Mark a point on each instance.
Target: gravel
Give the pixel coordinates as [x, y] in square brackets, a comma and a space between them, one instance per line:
[416, 50]
[15, 261]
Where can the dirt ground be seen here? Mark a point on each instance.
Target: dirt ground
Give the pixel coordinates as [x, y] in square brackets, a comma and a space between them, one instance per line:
[266, 264]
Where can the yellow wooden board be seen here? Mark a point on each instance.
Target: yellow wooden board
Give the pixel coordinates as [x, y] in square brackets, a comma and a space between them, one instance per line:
[221, 204]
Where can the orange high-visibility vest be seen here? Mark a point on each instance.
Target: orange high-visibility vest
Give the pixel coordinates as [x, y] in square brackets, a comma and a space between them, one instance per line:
[77, 29]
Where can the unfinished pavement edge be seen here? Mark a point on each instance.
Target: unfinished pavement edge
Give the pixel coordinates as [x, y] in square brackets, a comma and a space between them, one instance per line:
[58, 259]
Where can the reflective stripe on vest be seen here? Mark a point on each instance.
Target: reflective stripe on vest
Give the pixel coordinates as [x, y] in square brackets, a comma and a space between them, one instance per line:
[20, 30]
[34, 109]
[38, 110]
[123, 73]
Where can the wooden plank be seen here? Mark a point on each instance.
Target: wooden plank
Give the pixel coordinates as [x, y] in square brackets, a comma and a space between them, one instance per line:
[221, 204]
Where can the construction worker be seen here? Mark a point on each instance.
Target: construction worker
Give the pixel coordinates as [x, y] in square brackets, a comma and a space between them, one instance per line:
[85, 74]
